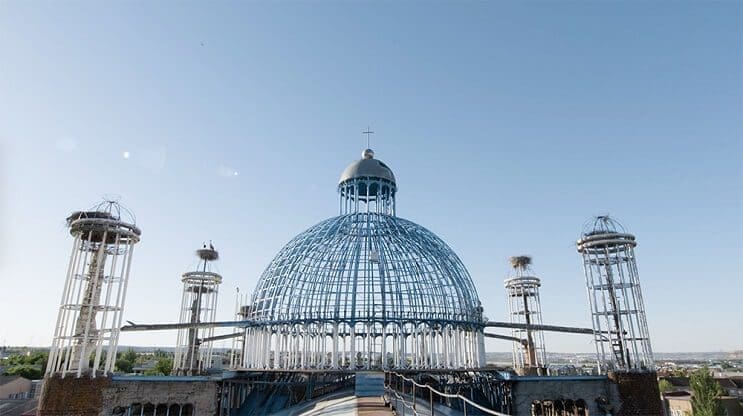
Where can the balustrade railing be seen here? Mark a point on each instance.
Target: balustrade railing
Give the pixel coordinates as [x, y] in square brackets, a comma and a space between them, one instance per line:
[395, 386]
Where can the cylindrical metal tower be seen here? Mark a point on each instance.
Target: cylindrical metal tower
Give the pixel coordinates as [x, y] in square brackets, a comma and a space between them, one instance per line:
[242, 312]
[198, 304]
[617, 308]
[524, 307]
[87, 330]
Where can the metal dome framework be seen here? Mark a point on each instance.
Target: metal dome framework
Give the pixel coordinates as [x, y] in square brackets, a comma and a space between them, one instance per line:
[365, 290]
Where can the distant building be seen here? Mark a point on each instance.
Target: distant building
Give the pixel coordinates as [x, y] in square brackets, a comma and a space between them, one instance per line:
[145, 367]
[732, 385]
[14, 387]
[678, 382]
[678, 403]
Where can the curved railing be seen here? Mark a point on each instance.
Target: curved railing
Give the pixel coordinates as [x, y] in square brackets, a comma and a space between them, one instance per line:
[411, 402]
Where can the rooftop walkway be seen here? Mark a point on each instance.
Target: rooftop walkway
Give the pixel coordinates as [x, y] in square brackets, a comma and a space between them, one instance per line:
[365, 400]
[343, 403]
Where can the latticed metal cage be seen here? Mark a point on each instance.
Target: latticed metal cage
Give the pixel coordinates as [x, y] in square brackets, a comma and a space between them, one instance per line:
[87, 330]
[617, 307]
[365, 289]
[198, 304]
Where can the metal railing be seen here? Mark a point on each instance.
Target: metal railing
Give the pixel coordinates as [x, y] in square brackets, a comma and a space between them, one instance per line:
[411, 403]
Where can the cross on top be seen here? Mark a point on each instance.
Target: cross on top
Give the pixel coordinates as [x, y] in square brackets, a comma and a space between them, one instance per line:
[368, 133]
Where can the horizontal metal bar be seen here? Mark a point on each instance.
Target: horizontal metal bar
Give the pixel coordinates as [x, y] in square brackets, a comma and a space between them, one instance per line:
[255, 323]
[163, 327]
[251, 323]
[504, 337]
[550, 328]
[221, 337]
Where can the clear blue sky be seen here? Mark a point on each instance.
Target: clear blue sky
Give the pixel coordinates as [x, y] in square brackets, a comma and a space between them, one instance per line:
[507, 124]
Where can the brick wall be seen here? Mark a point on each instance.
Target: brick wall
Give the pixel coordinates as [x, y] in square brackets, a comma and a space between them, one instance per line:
[589, 389]
[201, 394]
[638, 393]
[87, 396]
[72, 396]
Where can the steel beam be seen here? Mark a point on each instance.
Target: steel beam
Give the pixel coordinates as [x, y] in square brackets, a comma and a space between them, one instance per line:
[503, 337]
[551, 328]
[251, 323]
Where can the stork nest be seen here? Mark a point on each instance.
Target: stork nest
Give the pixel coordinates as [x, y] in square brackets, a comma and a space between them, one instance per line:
[520, 262]
[207, 254]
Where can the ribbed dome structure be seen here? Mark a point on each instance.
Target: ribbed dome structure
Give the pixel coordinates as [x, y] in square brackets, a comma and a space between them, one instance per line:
[367, 267]
[365, 289]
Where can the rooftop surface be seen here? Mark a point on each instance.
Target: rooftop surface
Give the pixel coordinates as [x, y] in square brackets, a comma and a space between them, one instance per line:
[343, 403]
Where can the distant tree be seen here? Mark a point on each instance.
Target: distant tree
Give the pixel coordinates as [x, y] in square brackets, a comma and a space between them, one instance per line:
[161, 354]
[125, 362]
[124, 366]
[130, 355]
[707, 392]
[29, 365]
[101, 360]
[42, 361]
[26, 371]
[15, 359]
[164, 366]
[37, 358]
[665, 386]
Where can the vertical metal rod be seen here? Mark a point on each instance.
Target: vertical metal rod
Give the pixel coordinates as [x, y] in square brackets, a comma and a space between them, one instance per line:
[431, 397]
[414, 400]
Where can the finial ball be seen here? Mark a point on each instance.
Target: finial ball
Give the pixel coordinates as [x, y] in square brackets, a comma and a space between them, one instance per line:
[367, 154]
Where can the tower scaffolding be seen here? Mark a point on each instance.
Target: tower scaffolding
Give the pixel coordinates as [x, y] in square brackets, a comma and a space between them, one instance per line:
[617, 307]
[87, 330]
[198, 304]
[524, 307]
[238, 341]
